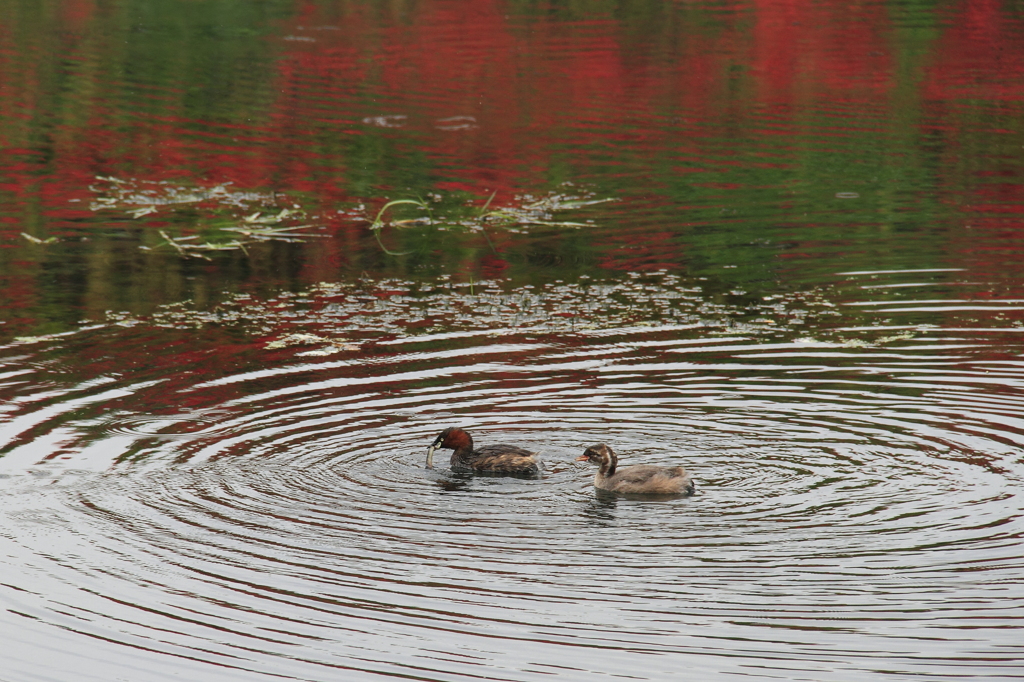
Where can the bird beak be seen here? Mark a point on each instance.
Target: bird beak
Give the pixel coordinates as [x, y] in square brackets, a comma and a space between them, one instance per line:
[583, 458]
[430, 456]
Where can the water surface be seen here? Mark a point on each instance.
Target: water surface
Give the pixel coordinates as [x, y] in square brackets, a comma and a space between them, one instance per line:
[777, 244]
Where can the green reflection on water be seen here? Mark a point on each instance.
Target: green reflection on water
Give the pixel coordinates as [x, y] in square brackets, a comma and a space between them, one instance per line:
[762, 151]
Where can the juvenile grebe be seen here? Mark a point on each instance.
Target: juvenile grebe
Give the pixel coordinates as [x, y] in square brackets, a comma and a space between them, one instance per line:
[638, 479]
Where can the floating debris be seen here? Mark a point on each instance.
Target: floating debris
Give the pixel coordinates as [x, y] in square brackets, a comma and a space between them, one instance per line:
[295, 340]
[37, 240]
[234, 220]
[332, 345]
[222, 229]
[525, 210]
[259, 218]
[284, 234]
[456, 123]
[333, 317]
[133, 194]
[389, 121]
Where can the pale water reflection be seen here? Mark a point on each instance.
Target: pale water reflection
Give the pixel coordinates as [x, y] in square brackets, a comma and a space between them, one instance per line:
[857, 507]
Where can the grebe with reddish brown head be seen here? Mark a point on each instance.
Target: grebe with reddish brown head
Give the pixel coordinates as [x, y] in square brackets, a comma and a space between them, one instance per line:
[492, 459]
[639, 479]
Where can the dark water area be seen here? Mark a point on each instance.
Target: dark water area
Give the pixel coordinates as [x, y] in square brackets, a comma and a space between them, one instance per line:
[777, 243]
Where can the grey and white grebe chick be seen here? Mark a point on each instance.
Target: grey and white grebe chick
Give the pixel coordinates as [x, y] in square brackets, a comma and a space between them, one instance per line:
[493, 459]
[640, 479]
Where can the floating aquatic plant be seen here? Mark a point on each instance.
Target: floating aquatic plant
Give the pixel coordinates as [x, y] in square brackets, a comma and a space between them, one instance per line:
[337, 317]
[263, 217]
[378, 222]
[525, 210]
[225, 219]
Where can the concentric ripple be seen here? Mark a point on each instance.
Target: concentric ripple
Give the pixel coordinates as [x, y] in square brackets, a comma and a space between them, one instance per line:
[857, 516]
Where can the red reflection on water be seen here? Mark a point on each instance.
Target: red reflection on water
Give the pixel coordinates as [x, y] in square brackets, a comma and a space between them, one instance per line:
[362, 101]
[973, 91]
[982, 55]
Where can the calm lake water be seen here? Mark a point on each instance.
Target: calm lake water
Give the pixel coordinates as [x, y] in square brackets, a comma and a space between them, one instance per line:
[780, 243]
